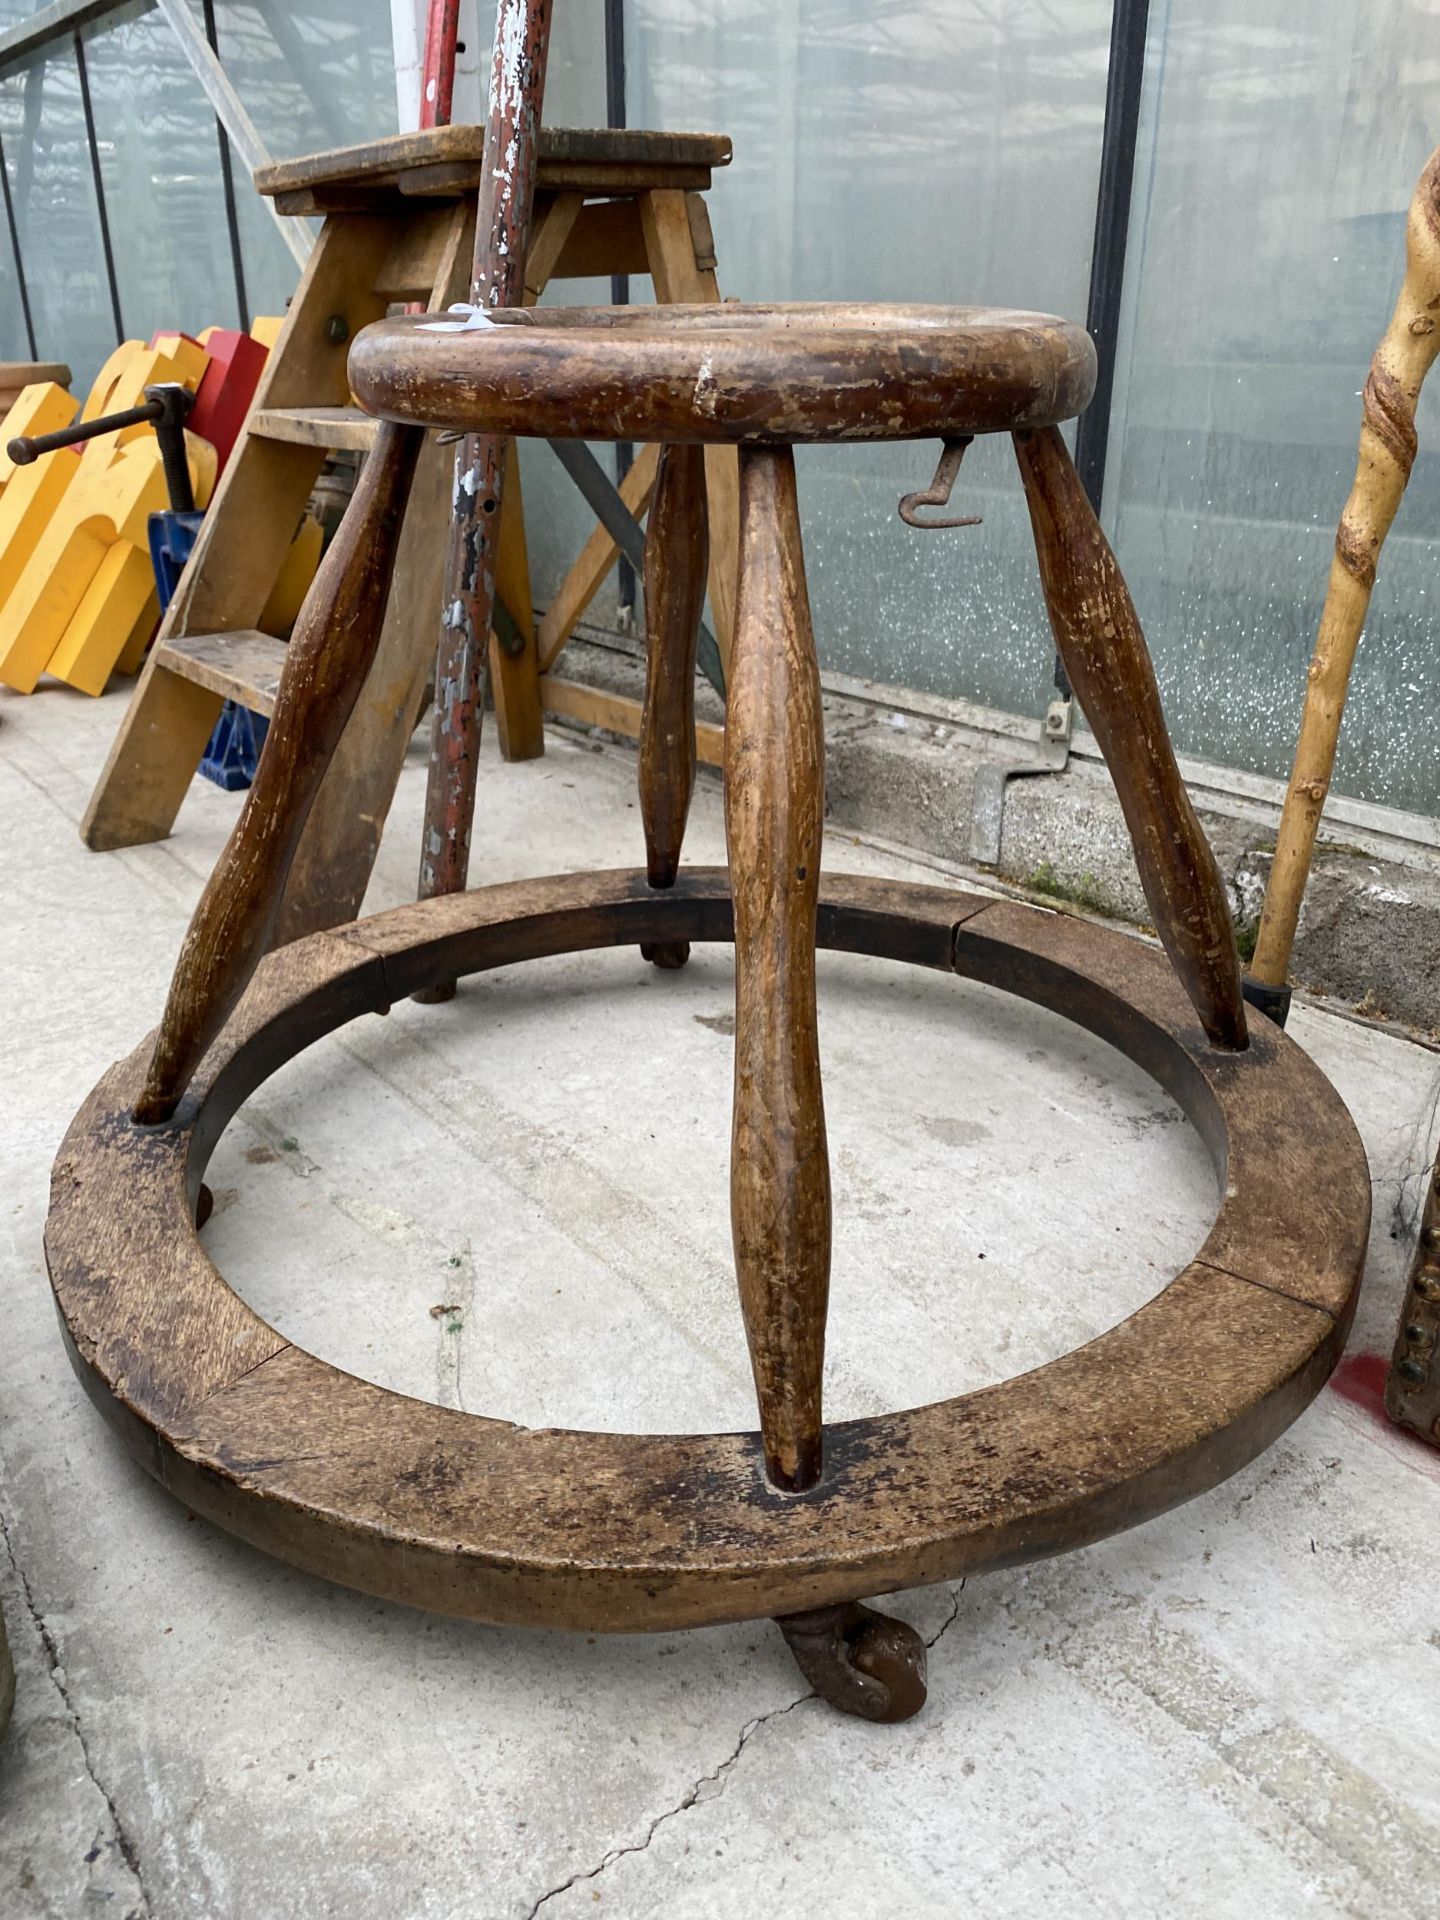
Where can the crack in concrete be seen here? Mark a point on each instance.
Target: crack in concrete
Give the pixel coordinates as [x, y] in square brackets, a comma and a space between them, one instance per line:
[453, 1325]
[1406, 1181]
[950, 1619]
[683, 1805]
[719, 1774]
[55, 1665]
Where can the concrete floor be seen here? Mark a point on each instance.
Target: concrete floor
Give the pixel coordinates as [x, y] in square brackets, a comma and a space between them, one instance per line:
[1232, 1710]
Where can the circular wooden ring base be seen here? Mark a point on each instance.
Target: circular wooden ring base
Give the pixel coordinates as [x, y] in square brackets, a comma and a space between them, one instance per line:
[606, 1531]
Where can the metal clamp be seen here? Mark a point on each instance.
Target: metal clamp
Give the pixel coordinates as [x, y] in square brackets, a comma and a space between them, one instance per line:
[166, 406]
[987, 808]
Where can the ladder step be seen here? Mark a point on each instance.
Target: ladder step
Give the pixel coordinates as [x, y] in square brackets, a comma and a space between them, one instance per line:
[243, 666]
[337, 429]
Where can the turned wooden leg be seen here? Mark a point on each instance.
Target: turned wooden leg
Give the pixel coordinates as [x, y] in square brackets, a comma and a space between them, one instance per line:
[677, 552]
[1101, 642]
[774, 812]
[330, 653]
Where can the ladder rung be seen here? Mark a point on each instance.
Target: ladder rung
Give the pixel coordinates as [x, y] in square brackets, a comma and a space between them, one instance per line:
[337, 429]
[243, 666]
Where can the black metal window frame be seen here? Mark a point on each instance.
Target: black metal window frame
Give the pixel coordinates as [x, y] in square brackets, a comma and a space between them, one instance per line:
[15, 250]
[227, 177]
[47, 30]
[1129, 29]
[93, 144]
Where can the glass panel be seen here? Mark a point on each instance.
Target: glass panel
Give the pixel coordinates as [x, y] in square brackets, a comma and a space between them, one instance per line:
[937, 150]
[14, 13]
[1279, 149]
[160, 163]
[574, 74]
[557, 520]
[319, 73]
[47, 158]
[14, 339]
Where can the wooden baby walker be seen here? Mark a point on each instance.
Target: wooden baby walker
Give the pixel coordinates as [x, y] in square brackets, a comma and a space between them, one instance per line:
[800, 1521]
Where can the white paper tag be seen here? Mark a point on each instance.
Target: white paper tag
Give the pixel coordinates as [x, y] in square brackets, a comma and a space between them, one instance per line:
[475, 318]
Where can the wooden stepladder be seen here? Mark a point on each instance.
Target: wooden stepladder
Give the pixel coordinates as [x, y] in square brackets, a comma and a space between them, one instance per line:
[399, 218]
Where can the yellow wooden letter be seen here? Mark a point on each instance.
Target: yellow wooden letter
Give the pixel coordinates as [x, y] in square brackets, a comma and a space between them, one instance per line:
[293, 582]
[29, 501]
[176, 359]
[104, 505]
[114, 620]
[97, 401]
[41, 408]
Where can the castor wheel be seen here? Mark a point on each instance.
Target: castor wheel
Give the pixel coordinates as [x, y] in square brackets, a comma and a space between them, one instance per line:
[668, 955]
[861, 1661]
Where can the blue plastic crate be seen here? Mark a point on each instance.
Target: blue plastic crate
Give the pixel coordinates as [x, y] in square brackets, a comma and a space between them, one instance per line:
[233, 750]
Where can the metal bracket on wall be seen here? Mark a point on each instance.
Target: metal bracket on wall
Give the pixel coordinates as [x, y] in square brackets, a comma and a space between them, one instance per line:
[987, 809]
[603, 498]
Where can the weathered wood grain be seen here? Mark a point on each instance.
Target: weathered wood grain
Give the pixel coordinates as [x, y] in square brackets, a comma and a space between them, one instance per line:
[774, 824]
[1412, 1392]
[613, 1531]
[331, 651]
[676, 248]
[1101, 642]
[680, 255]
[677, 548]
[618, 713]
[586, 158]
[242, 542]
[731, 372]
[1388, 445]
[337, 851]
[502, 245]
[514, 669]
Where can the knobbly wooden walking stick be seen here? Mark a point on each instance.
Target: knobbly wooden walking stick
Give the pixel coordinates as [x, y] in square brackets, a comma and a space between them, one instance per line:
[1387, 452]
[502, 231]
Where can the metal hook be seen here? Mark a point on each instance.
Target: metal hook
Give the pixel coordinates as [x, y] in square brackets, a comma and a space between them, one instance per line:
[937, 494]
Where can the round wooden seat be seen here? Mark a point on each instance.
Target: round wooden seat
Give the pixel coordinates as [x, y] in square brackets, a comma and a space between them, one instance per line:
[765, 374]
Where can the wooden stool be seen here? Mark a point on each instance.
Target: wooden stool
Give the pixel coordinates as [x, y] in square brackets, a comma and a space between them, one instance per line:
[616, 1532]
[399, 218]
